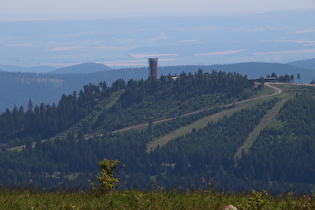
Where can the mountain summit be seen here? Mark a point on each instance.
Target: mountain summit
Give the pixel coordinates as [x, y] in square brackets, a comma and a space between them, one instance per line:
[82, 68]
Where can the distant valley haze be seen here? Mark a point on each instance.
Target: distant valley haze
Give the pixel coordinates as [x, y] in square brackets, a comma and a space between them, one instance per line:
[123, 34]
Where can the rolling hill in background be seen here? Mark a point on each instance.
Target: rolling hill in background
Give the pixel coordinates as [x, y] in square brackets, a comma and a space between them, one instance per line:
[306, 64]
[206, 129]
[83, 68]
[17, 88]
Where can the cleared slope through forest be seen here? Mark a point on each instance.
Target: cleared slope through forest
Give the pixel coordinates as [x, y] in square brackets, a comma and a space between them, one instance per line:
[215, 117]
[143, 125]
[264, 122]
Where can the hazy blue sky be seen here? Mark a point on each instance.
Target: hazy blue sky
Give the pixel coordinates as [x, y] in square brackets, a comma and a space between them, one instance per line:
[47, 9]
[179, 32]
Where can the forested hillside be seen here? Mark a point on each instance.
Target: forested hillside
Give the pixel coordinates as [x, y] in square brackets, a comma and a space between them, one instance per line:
[53, 145]
[286, 151]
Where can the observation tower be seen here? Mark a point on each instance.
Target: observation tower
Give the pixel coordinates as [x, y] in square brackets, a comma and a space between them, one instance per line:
[153, 67]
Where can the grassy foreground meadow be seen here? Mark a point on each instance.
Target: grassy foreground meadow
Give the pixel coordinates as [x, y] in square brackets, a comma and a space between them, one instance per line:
[134, 199]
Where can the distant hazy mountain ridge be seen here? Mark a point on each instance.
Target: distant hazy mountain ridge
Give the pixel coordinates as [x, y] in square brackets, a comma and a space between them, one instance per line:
[82, 69]
[306, 64]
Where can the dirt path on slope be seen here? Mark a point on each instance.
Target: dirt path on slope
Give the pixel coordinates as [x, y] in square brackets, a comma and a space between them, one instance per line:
[277, 92]
[201, 123]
